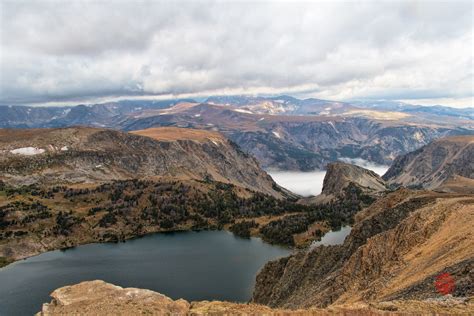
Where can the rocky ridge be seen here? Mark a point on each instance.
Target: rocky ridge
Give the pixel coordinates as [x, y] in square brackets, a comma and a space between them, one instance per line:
[395, 250]
[93, 155]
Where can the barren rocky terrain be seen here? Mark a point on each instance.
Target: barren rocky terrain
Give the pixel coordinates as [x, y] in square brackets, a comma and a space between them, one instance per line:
[340, 175]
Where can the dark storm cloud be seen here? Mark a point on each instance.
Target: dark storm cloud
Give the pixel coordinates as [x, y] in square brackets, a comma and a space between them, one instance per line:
[58, 50]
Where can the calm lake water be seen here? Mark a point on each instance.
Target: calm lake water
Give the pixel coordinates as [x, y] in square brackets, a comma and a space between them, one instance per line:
[191, 265]
[335, 237]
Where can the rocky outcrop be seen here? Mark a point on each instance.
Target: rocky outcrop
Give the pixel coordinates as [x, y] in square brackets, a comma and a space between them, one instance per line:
[435, 165]
[340, 176]
[100, 298]
[395, 250]
[89, 155]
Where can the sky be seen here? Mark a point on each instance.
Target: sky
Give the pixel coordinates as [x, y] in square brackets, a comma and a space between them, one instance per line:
[420, 52]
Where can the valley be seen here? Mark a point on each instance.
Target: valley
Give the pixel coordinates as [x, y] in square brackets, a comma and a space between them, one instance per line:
[356, 238]
[111, 186]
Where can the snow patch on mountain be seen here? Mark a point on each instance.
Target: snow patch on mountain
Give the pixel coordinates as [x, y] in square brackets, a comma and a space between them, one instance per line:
[418, 136]
[27, 151]
[243, 111]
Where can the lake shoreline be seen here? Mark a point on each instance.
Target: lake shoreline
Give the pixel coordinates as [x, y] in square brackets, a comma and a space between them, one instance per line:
[7, 261]
[195, 265]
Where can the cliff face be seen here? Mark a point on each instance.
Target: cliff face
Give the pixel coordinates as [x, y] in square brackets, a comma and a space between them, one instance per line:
[88, 155]
[395, 250]
[435, 164]
[100, 298]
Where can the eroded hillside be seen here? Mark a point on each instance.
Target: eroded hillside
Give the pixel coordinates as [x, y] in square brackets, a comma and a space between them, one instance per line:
[395, 250]
[435, 165]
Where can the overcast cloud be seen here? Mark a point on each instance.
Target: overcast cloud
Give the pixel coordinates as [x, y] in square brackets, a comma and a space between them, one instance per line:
[84, 50]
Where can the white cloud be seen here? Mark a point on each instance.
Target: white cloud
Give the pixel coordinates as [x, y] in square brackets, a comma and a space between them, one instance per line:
[54, 51]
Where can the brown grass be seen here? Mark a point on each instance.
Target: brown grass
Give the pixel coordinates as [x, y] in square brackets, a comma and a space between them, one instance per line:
[176, 133]
[379, 115]
[455, 234]
[460, 139]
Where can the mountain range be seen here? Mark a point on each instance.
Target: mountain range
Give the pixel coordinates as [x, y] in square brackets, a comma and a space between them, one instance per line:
[281, 132]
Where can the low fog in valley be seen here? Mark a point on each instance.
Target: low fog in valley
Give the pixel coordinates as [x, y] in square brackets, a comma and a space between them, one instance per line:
[311, 183]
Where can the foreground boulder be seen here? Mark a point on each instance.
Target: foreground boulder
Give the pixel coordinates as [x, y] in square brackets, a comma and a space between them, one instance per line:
[98, 297]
